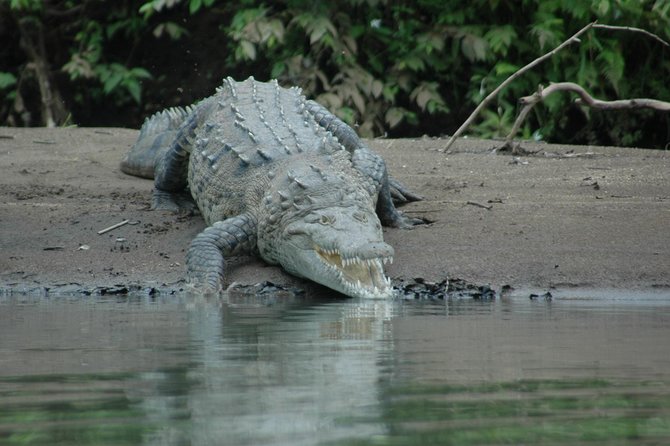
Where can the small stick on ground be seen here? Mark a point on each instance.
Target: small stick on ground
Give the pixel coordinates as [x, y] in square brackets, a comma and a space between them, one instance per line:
[118, 225]
[488, 207]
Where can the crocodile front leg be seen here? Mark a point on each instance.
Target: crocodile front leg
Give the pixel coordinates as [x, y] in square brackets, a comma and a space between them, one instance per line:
[205, 257]
[354, 145]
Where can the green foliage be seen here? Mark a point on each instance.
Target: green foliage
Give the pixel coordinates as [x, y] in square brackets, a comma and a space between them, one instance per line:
[88, 62]
[388, 65]
[7, 80]
[83, 30]
[26, 5]
[149, 7]
[402, 67]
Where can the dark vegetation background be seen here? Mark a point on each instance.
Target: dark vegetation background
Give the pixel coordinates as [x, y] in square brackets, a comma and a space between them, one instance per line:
[390, 67]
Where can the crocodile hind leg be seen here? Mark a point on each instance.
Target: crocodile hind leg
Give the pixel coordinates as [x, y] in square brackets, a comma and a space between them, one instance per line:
[171, 169]
[205, 257]
[400, 193]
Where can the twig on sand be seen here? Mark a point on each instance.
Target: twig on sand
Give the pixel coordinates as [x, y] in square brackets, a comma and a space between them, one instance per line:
[484, 206]
[118, 225]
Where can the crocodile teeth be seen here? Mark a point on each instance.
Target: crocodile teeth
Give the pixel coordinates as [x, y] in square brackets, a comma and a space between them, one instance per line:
[359, 277]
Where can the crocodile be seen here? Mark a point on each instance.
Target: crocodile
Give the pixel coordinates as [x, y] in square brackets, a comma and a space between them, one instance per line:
[276, 175]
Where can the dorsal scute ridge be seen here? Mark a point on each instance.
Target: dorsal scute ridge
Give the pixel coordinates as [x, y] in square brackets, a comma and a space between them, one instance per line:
[230, 83]
[263, 121]
[236, 111]
[264, 154]
[282, 115]
[169, 120]
[257, 101]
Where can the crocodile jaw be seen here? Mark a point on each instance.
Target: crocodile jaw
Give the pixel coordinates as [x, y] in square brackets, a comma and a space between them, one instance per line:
[340, 246]
[355, 276]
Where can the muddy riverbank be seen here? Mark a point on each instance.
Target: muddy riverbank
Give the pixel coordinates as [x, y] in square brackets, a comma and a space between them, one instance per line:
[566, 216]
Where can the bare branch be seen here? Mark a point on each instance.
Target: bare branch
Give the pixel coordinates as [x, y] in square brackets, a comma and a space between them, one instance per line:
[510, 79]
[524, 112]
[529, 102]
[632, 29]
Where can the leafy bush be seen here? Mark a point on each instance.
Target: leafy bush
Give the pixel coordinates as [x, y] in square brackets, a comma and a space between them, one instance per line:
[402, 68]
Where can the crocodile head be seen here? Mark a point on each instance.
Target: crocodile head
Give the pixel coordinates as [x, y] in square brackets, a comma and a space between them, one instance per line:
[339, 247]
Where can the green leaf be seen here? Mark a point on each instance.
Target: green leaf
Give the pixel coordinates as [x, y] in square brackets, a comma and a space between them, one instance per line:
[330, 100]
[504, 68]
[357, 99]
[7, 80]
[111, 82]
[278, 69]
[347, 114]
[319, 27]
[547, 30]
[26, 5]
[389, 92]
[140, 73]
[135, 90]
[602, 8]
[394, 116]
[376, 88]
[474, 47]
[612, 65]
[412, 62]
[500, 38]
[428, 98]
[174, 31]
[248, 49]
[147, 9]
[194, 6]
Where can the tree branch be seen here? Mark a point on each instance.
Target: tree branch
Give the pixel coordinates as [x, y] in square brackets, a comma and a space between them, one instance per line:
[529, 102]
[53, 106]
[510, 79]
[632, 29]
[640, 103]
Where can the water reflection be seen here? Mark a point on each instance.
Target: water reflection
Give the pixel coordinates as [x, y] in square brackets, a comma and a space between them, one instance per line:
[185, 370]
[285, 374]
[171, 371]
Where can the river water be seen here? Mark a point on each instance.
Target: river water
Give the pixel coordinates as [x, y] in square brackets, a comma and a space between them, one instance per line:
[584, 367]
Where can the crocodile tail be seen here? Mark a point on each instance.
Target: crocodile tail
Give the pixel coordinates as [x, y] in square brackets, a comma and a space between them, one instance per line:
[156, 134]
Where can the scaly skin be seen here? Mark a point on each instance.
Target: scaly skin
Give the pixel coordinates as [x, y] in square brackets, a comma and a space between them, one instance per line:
[278, 176]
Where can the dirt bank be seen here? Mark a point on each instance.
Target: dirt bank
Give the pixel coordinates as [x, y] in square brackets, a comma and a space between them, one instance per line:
[566, 216]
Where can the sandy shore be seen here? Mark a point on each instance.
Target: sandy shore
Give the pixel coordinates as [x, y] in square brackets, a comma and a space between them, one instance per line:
[568, 216]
